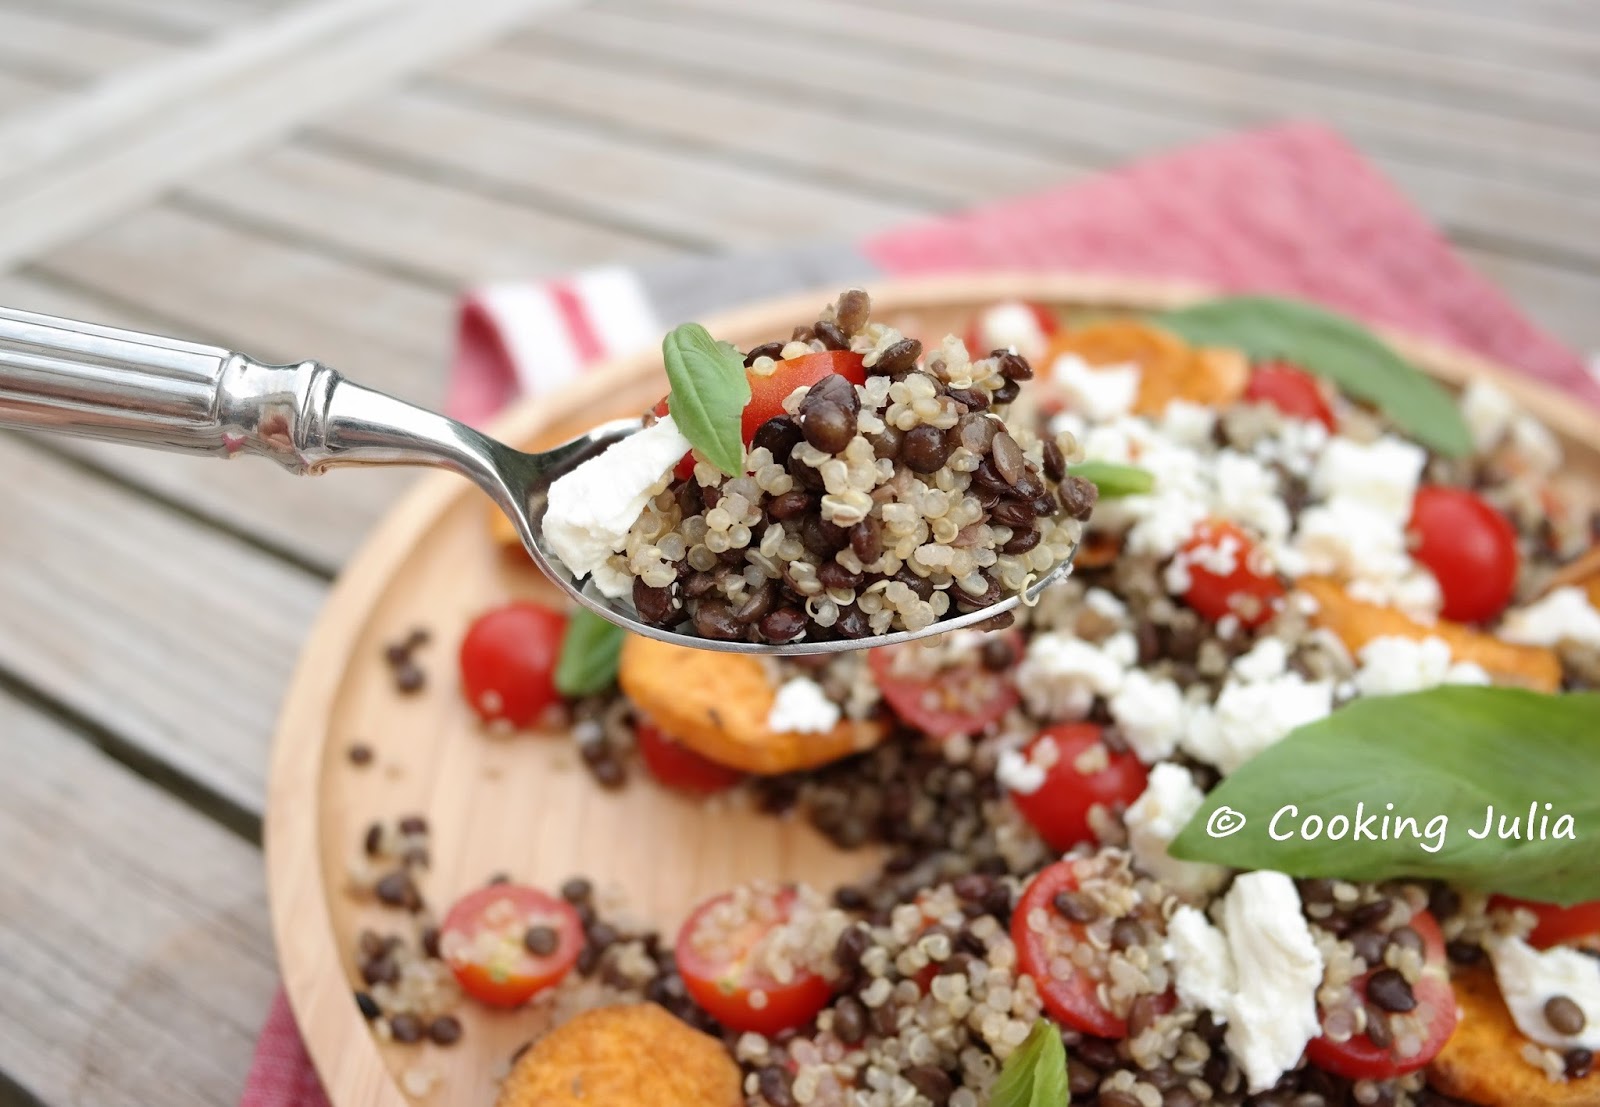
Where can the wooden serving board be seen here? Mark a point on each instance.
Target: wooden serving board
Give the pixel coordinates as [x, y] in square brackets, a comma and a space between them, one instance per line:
[521, 803]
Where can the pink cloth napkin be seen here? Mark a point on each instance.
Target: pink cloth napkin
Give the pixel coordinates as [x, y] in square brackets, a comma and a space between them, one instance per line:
[1291, 210]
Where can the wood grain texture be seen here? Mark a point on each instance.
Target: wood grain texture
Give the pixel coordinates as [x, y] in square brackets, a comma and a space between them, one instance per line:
[71, 48]
[133, 933]
[172, 640]
[670, 194]
[519, 803]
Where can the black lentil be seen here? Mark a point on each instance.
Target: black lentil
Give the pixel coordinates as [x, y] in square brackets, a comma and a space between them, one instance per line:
[925, 449]
[1390, 991]
[832, 336]
[932, 1082]
[359, 753]
[541, 941]
[782, 625]
[656, 606]
[368, 1006]
[849, 1020]
[1078, 496]
[773, 1084]
[898, 358]
[406, 1028]
[577, 889]
[1564, 1016]
[774, 350]
[445, 1030]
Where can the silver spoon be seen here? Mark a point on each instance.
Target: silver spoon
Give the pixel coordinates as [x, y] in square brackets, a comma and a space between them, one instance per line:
[145, 390]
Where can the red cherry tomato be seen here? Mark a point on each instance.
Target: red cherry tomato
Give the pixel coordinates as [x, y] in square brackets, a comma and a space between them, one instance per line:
[484, 940]
[508, 662]
[1221, 579]
[1359, 1059]
[961, 699]
[1556, 924]
[988, 332]
[1072, 999]
[719, 952]
[768, 393]
[1059, 808]
[677, 766]
[1292, 391]
[1469, 547]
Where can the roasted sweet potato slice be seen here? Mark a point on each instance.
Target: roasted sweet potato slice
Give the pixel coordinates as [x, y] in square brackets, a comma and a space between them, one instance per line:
[1169, 368]
[1357, 622]
[1482, 1062]
[620, 1057]
[717, 705]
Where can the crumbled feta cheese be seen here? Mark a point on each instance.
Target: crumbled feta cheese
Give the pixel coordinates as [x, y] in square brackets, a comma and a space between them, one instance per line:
[1249, 716]
[1488, 412]
[1248, 493]
[1150, 713]
[1200, 960]
[1267, 659]
[1538, 447]
[1258, 973]
[1061, 674]
[802, 707]
[1018, 773]
[1010, 325]
[1099, 392]
[1296, 445]
[1381, 474]
[1530, 978]
[1564, 615]
[1391, 665]
[1105, 604]
[592, 508]
[1154, 820]
[1189, 424]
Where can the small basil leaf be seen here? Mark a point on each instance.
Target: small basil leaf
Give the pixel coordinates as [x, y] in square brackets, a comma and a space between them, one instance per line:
[590, 650]
[709, 392]
[1440, 759]
[1035, 1075]
[1334, 347]
[1114, 479]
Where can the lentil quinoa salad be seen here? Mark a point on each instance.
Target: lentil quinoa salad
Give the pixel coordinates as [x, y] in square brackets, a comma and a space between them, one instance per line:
[880, 488]
[1294, 553]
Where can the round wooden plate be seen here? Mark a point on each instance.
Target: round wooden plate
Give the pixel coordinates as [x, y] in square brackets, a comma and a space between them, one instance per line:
[521, 804]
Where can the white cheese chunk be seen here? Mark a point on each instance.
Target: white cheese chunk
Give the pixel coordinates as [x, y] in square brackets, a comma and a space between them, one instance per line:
[1488, 412]
[1530, 978]
[1258, 973]
[1249, 716]
[1061, 674]
[1150, 713]
[1019, 773]
[1098, 392]
[592, 508]
[1154, 820]
[1565, 614]
[1010, 325]
[1382, 474]
[1391, 665]
[802, 707]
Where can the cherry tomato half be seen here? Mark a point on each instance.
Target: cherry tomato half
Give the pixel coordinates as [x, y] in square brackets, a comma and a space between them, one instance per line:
[1556, 924]
[1469, 547]
[1222, 580]
[1072, 999]
[508, 662]
[768, 393]
[1059, 808]
[959, 699]
[677, 766]
[1021, 324]
[487, 940]
[1291, 390]
[1359, 1058]
[719, 952]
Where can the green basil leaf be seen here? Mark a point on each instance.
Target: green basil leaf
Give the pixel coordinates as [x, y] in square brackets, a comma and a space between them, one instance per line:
[1035, 1075]
[1113, 478]
[590, 650]
[709, 391]
[1334, 347]
[1440, 759]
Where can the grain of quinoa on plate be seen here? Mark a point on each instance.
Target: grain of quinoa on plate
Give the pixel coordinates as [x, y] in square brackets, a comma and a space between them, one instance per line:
[1307, 597]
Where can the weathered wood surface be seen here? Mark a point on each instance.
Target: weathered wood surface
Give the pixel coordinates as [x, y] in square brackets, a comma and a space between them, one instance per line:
[151, 606]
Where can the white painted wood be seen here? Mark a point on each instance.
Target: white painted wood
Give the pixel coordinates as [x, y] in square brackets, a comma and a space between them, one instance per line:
[144, 131]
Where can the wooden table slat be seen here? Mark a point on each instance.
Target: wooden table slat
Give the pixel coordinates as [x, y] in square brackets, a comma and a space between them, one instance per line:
[167, 634]
[70, 47]
[133, 932]
[680, 196]
[883, 31]
[837, 146]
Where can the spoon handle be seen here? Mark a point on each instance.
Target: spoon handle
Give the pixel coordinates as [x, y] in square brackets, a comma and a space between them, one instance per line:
[146, 390]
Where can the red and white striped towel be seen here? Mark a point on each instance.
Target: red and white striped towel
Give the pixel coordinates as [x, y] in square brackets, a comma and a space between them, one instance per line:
[1292, 210]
